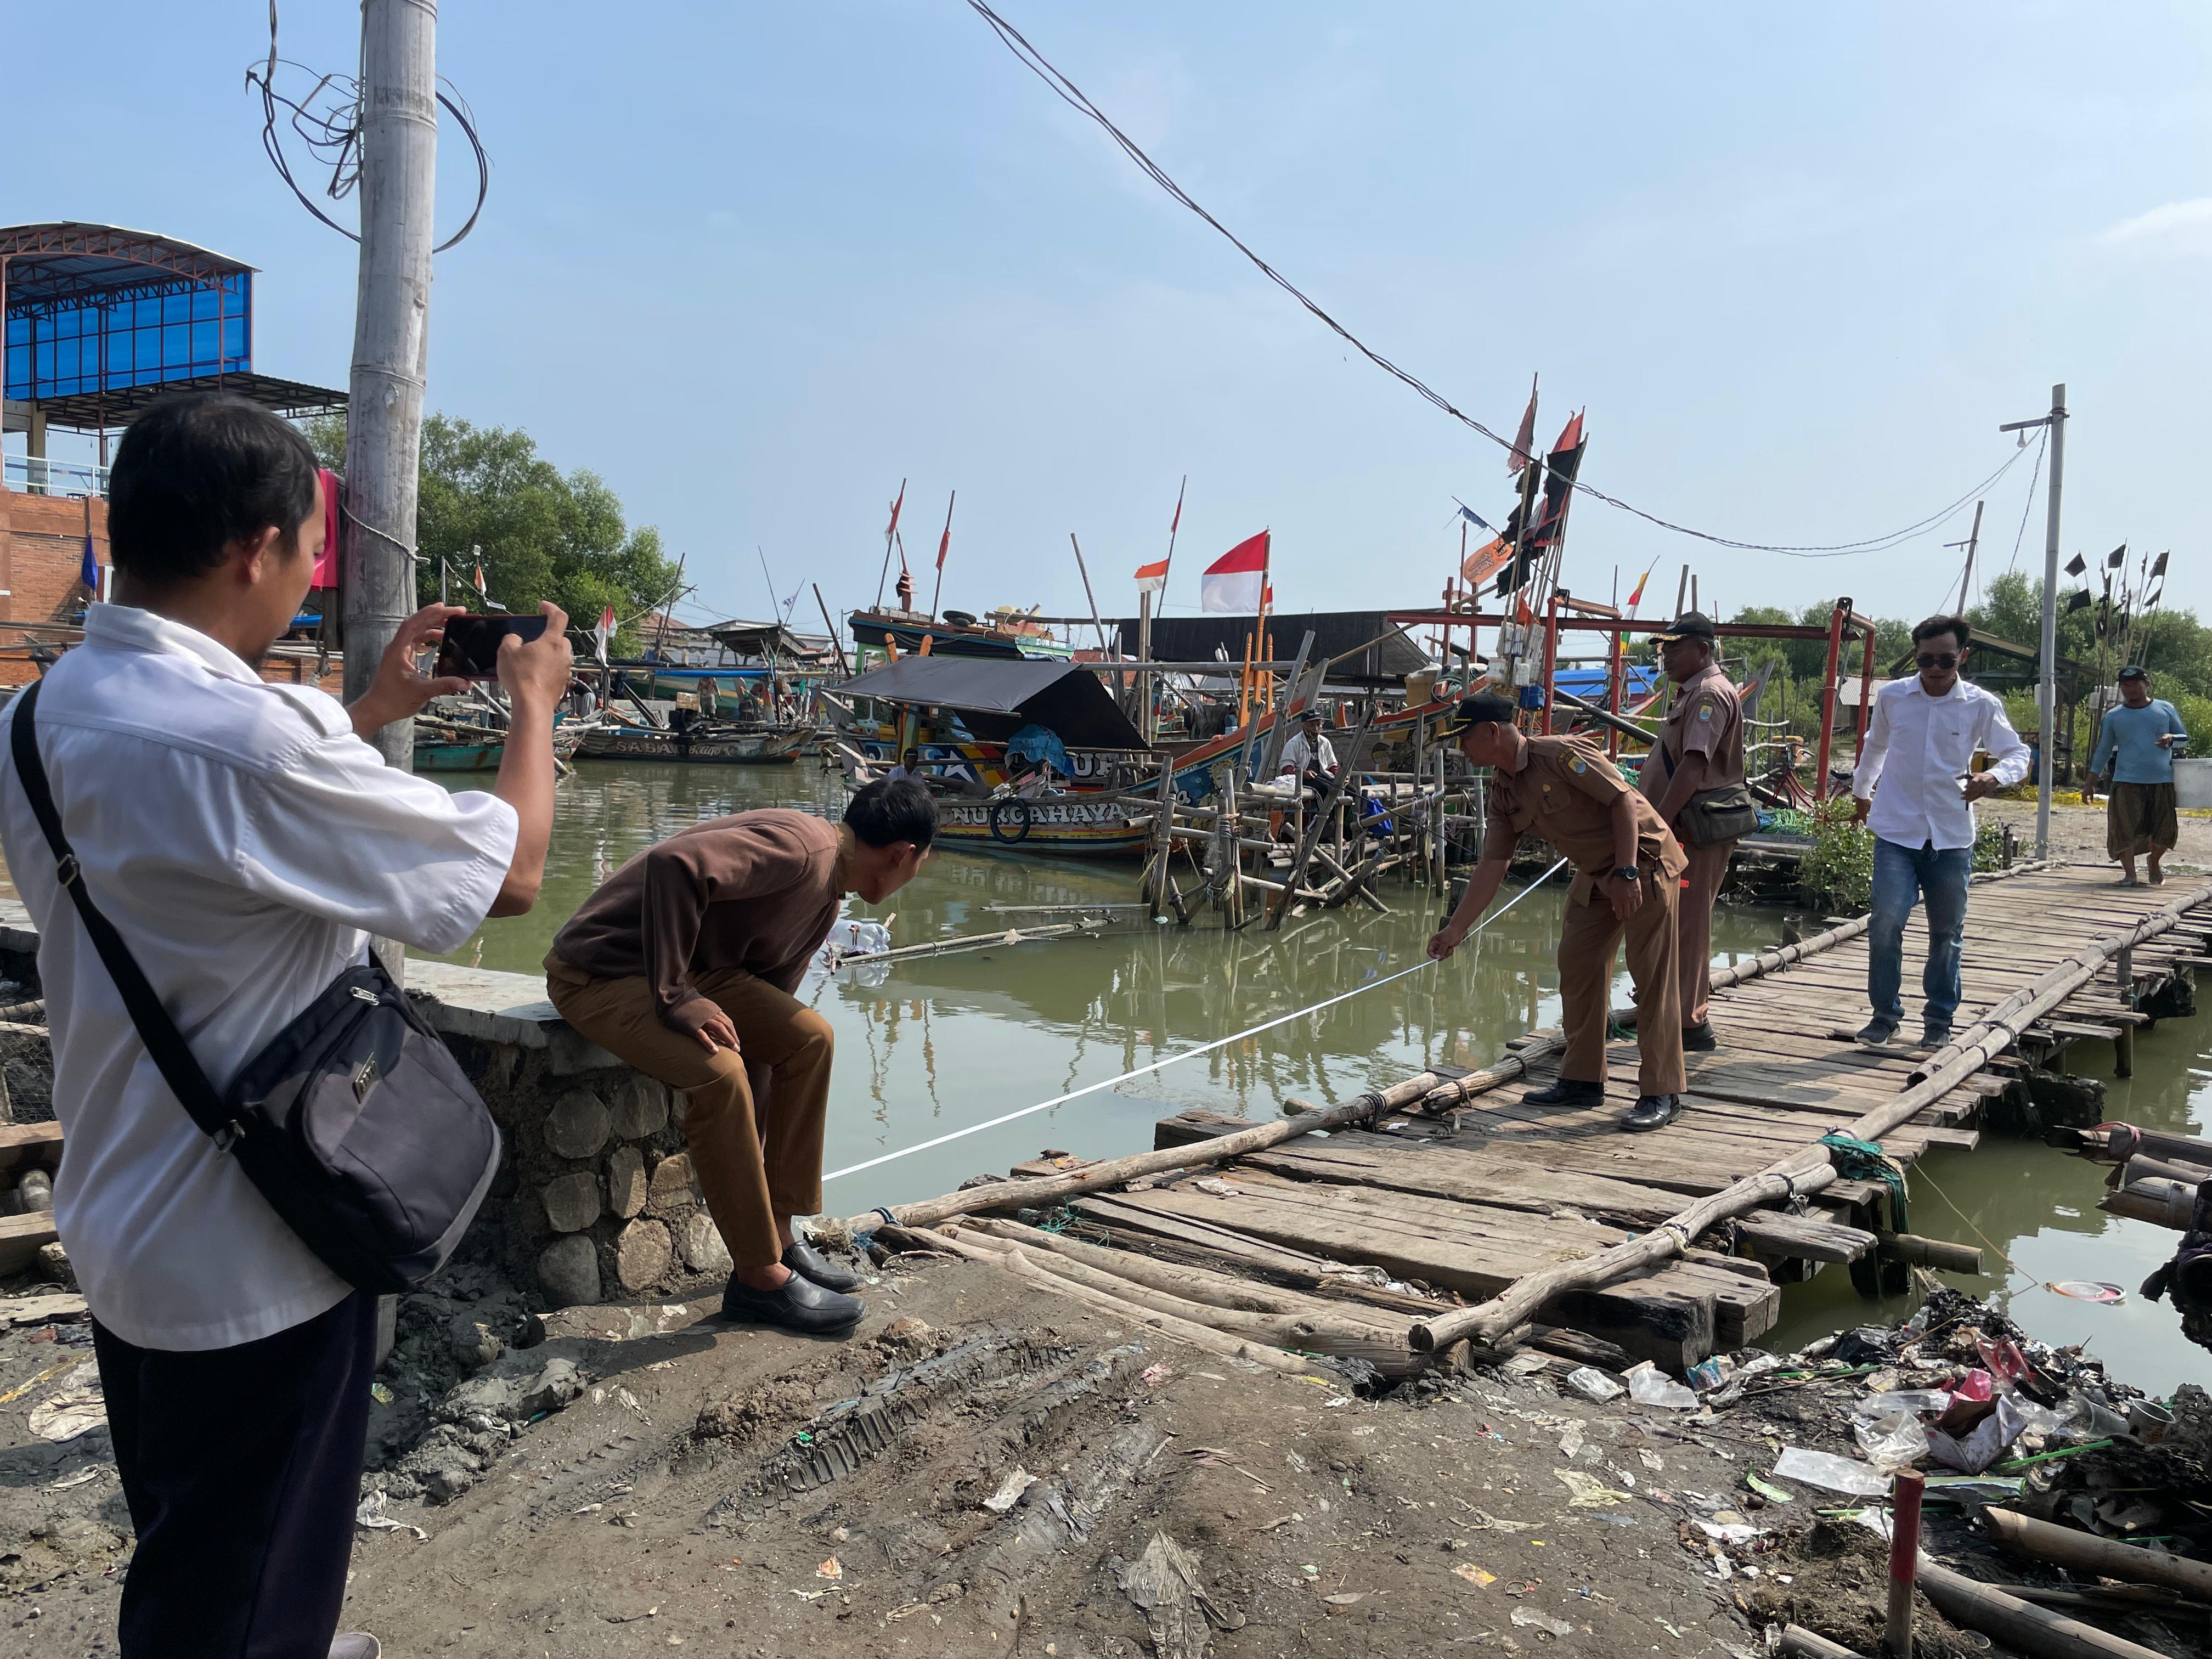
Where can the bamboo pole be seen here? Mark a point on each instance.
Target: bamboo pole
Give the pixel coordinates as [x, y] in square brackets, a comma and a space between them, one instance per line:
[2034, 1630]
[1199, 1336]
[1808, 1169]
[2025, 1536]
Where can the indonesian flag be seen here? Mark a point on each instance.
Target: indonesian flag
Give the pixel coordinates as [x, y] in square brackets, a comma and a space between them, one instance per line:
[480, 582]
[603, 635]
[1152, 578]
[1236, 581]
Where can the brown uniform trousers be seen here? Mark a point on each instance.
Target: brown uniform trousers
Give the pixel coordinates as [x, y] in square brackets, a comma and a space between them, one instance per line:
[753, 1118]
[1693, 948]
[1590, 938]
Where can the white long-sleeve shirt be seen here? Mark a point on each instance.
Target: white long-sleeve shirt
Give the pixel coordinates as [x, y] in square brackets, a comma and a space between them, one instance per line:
[246, 844]
[1918, 747]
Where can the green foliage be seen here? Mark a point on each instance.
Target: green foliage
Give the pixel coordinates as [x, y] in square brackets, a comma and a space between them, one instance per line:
[542, 534]
[1838, 873]
[2176, 647]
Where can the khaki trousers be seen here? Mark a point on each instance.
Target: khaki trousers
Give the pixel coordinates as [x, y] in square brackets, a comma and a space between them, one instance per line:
[753, 1118]
[1693, 932]
[1588, 938]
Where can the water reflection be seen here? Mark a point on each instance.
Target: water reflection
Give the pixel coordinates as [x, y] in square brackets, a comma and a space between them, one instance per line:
[942, 1043]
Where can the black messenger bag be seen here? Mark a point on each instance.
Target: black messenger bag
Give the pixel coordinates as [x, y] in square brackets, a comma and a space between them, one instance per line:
[354, 1122]
[1712, 816]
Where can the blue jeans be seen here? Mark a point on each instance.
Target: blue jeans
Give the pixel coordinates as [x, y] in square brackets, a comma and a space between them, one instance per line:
[1902, 874]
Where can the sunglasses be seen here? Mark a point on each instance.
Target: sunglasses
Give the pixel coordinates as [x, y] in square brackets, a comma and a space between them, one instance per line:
[1937, 659]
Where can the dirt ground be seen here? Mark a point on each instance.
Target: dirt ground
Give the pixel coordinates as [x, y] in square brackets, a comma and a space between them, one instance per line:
[2077, 832]
[979, 1471]
[742, 1492]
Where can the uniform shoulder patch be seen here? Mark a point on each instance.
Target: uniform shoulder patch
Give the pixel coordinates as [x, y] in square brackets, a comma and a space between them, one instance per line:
[1577, 763]
[1705, 711]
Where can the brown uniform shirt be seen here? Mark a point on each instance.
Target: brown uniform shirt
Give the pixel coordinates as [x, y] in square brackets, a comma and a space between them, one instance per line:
[1565, 793]
[1707, 718]
[757, 890]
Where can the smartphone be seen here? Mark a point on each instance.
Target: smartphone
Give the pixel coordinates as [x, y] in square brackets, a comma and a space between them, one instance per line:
[470, 650]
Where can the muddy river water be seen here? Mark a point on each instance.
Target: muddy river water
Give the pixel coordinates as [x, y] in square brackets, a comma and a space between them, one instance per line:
[936, 1044]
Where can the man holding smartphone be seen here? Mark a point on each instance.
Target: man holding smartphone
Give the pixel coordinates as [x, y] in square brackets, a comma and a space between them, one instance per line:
[1920, 746]
[246, 843]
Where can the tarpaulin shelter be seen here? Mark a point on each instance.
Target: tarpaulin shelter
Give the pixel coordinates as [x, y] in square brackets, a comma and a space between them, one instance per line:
[996, 697]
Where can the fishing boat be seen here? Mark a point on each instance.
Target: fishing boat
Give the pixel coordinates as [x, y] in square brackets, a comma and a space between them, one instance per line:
[1006, 634]
[448, 746]
[701, 743]
[981, 707]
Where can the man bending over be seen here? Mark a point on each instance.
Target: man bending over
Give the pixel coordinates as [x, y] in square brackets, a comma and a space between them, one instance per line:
[684, 963]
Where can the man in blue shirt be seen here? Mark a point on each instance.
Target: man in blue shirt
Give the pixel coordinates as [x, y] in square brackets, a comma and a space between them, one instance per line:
[2135, 751]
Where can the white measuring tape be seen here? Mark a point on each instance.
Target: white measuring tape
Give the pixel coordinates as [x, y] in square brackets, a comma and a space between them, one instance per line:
[1186, 1053]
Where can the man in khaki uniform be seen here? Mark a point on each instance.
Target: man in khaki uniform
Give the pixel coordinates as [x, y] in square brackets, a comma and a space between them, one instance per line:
[1627, 874]
[1700, 747]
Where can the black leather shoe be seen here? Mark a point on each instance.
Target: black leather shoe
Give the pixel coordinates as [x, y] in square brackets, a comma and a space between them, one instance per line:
[1699, 1039]
[803, 1258]
[1652, 1112]
[797, 1305]
[1566, 1092]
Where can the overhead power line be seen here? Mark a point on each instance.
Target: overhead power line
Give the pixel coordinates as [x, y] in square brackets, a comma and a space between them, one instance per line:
[1076, 98]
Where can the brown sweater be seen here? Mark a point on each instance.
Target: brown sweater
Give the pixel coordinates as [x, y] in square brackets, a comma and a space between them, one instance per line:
[757, 890]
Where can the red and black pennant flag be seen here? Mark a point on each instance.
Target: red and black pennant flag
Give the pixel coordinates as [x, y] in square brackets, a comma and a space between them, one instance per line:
[2115, 558]
[1562, 465]
[2077, 602]
[2157, 565]
[2077, 565]
[1524, 442]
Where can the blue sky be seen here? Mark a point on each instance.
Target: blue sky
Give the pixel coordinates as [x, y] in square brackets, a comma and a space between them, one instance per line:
[756, 265]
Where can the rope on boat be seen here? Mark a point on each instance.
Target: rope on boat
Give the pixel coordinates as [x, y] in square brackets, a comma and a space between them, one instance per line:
[1186, 1054]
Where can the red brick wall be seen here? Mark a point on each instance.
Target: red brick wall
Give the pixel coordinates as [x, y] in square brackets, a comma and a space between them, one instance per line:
[42, 552]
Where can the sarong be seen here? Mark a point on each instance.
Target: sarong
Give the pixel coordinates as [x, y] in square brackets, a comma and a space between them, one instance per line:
[2139, 819]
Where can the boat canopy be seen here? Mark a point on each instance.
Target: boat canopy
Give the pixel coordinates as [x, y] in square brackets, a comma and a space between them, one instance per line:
[752, 639]
[997, 696]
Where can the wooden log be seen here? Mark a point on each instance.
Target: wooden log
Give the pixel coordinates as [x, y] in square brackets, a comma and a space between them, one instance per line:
[1320, 1331]
[1808, 1170]
[1799, 1643]
[1016, 1262]
[2162, 1203]
[2036, 1631]
[1928, 1253]
[1777, 1232]
[2045, 1541]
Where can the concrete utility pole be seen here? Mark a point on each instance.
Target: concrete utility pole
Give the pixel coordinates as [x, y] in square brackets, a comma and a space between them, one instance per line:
[390, 351]
[2046, 684]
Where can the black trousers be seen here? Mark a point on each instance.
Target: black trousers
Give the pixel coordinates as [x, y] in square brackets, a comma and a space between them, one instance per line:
[242, 1470]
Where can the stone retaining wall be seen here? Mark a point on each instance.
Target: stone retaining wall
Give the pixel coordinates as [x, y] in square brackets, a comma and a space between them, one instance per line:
[595, 1199]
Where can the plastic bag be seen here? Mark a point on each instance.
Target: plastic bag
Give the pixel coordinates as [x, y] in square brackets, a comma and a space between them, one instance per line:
[1825, 1469]
[1981, 1446]
[1592, 1383]
[1649, 1386]
[1893, 1442]
[1710, 1373]
[1905, 1399]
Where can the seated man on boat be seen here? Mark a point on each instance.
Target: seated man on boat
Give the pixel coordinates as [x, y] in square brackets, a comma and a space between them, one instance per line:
[683, 965]
[909, 766]
[1309, 757]
[1628, 873]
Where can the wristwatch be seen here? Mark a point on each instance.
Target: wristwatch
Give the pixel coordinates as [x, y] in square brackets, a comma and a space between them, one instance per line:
[1629, 873]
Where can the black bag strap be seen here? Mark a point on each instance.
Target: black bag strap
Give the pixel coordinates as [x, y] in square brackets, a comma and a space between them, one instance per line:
[156, 1030]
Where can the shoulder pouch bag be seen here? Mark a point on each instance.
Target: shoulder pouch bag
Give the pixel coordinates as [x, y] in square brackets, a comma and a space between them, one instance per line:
[1712, 816]
[354, 1122]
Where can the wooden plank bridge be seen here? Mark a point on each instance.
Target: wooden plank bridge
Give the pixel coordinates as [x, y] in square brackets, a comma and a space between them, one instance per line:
[1447, 1207]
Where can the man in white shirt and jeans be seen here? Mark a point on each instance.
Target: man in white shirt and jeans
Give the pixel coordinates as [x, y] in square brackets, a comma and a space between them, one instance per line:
[1919, 747]
[246, 843]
